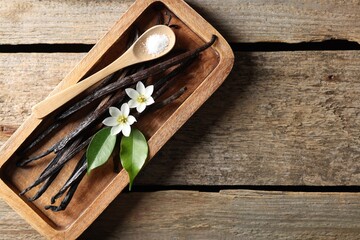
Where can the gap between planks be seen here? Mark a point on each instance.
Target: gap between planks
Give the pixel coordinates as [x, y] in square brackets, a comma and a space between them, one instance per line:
[334, 45]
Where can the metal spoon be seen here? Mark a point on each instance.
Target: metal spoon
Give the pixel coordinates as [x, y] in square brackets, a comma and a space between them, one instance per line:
[137, 53]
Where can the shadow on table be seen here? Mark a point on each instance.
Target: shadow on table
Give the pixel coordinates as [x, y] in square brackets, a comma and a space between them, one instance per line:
[163, 168]
[193, 142]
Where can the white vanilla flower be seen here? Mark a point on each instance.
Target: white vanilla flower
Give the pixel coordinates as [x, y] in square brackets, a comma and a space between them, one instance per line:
[141, 97]
[120, 120]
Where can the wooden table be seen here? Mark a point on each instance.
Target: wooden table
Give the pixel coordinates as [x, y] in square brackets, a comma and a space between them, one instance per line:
[279, 159]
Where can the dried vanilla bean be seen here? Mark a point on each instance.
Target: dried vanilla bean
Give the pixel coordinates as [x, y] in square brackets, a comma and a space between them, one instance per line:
[68, 154]
[169, 18]
[48, 182]
[87, 100]
[89, 120]
[58, 122]
[65, 202]
[174, 26]
[72, 135]
[162, 85]
[34, 158]
[78, 171]
[45, 186]
[169, 99]
[160, 20]
[43, 134]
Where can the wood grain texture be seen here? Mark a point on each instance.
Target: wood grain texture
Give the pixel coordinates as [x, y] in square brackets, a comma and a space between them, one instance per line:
[71, 21]
[281, 118]
[25, 79]
[288, 118]
[12, 226]
[235, 214]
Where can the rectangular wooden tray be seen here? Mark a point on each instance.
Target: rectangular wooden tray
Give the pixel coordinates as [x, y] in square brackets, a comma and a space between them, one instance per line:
[97, 191]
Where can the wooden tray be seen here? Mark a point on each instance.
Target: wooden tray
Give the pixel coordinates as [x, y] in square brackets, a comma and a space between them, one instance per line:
[97, 191]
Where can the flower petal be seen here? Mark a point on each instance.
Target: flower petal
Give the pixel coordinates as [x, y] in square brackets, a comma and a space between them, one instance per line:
[115, 130]
[133, 104]
[114, 111]
[110, 121]
[126, 130]
[131, 120]
[141, 107]
[149, 91]
[125, 110]
[149, 101]
[140, 88]
[132, 93]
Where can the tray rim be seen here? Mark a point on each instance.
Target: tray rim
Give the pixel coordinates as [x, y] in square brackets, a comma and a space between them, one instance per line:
[208, 86]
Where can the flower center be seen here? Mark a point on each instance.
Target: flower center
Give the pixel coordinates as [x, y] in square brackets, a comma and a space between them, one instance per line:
[141, 99]
[122, 119]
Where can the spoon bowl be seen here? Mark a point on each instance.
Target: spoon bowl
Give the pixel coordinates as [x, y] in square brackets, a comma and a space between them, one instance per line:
[137, 53]
[140, 50]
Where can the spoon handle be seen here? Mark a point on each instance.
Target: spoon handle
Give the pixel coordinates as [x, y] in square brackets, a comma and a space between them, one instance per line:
[50, 104]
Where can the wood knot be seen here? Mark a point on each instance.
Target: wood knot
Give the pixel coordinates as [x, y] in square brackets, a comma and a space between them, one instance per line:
[331, 78]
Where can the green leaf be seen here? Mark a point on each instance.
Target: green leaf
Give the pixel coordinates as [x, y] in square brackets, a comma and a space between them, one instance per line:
[133, 153]
[100, 148]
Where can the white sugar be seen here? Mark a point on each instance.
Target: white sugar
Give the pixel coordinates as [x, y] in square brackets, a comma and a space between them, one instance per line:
[156, 43]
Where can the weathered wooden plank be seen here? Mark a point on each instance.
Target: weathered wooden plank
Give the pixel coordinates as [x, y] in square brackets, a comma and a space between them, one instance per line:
[282, 118]
[236, 214]
[31, 21]
[26, 79]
